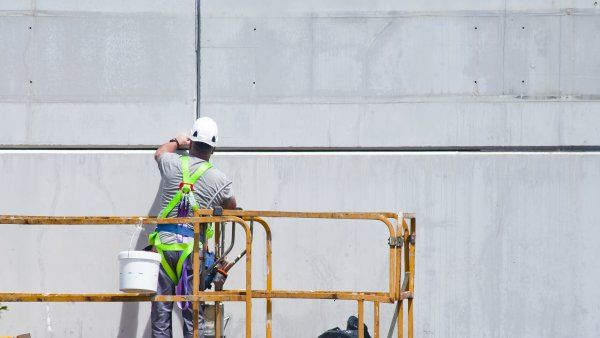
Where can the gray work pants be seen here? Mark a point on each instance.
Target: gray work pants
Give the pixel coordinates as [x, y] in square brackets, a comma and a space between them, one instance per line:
[161, 311]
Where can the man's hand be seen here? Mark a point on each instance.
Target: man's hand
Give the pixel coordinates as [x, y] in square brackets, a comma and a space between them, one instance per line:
[184, 141]
[220, 275]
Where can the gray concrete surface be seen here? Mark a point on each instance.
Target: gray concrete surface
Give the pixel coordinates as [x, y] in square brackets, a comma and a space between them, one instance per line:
[84, 73]
[453, 75]
[409, 124]
[336, 64]
[506, 244]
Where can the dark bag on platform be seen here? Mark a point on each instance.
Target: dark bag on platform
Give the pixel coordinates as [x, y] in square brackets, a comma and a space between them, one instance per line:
[351, 330]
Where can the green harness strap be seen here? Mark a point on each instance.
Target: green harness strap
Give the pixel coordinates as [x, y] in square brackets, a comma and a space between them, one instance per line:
[187, 248]
[187, 182]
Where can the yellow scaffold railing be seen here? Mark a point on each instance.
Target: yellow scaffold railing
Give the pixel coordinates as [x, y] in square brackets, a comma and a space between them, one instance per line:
[401, 266]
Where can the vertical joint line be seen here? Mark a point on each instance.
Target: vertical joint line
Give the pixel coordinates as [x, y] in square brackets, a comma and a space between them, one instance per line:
[198, 61]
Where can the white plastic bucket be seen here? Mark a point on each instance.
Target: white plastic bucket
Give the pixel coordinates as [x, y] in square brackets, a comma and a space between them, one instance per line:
[138, 271]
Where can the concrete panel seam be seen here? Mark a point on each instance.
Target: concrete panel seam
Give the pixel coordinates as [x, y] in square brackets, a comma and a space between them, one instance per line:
[398, 99]
[318, 152]
[85, 14]
[409, 14]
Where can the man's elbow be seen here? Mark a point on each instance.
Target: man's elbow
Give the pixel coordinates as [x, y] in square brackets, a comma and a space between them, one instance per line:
[157, 154]
[230, 203]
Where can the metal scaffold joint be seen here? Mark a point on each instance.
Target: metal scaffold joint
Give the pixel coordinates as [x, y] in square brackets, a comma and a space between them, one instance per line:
[395, 242]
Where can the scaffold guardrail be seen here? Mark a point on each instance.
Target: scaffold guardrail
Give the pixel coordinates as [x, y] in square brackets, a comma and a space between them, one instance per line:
[401, 242]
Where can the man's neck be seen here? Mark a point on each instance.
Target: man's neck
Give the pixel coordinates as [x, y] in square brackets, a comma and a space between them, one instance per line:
[202, 155]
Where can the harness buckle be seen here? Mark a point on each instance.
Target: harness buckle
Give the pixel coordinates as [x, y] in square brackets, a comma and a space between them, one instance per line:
[182, 184]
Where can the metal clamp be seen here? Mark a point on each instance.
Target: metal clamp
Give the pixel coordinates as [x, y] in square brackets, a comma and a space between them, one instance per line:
[218, 211]
[395, 242]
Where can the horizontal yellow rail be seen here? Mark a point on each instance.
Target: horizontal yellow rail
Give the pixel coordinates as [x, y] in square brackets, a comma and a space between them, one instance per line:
[228, 295]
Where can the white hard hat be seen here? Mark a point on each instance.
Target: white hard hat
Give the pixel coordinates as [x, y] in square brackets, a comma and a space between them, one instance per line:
[205, 130]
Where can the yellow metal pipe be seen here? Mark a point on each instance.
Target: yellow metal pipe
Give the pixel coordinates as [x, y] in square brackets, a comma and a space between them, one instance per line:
[218, 314]
[196, 279]
[400, 316]
[248, 294]
[375, 319]
[411, 280]
[392, 253]
[103, 220]
[203, 213]
[269, 323]
[361, 319]
[218, 320]
[301, 214]
[398, 265]
[227, 295]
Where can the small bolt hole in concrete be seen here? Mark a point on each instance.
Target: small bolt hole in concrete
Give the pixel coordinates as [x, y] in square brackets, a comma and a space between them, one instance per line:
[475, 27]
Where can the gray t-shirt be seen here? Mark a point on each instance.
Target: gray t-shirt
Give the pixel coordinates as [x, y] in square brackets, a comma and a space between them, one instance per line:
[205, 187]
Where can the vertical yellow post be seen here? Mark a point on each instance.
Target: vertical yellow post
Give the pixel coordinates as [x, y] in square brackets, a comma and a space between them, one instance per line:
[269, 327]
[361, 318]
[392, 272]
[218, 314]
[411, 280]
[196, 278]
[375, 319]
[218, 320]
[398, 253]
[400, 316]
[248, 283]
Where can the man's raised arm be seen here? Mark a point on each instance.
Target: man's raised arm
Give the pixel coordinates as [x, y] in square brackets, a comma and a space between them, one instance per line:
[179, 142]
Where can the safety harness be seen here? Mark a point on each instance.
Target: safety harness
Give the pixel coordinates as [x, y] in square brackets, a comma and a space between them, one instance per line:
[183, 200]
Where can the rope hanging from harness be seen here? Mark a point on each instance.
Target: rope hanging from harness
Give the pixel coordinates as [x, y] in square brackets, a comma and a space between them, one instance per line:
[185, 202]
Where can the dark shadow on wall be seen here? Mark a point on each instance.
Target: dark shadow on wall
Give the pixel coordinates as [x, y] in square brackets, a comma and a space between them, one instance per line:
[128, 325]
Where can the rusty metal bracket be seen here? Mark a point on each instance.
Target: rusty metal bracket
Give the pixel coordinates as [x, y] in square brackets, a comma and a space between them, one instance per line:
[396, 242]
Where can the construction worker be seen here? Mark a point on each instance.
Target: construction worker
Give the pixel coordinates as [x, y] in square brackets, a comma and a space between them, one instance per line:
[189, 182]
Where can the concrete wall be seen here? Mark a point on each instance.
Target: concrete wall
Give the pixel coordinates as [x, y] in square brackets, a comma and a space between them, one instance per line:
[402, 74]
[84, 73]
[506, 243]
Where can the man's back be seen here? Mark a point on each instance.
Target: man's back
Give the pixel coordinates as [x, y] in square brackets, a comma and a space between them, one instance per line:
[206, 187]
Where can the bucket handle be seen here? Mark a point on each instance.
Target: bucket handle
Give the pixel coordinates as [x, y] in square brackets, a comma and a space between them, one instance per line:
[138, 228]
